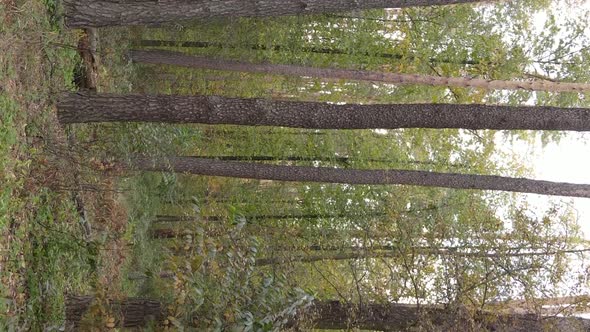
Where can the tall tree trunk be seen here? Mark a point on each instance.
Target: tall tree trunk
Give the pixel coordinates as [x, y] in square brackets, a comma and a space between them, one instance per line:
[170, 218]
[463, 251]
[281, 202]
[130, 312]
[179, 59]
[99, 13]
[362, 253]
[309, 49]
[344, 161]
[356, 176]
[84, 108]
[334, 315]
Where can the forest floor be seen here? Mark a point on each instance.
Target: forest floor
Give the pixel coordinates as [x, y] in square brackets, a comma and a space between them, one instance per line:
[49, 188]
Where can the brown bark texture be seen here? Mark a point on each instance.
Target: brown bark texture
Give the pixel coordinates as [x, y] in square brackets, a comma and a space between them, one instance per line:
[356, 176]
[179, 59]
[335, 315]
[100, 13]
[278, 48]
[86, 107]
[254, 217]
[130, 312]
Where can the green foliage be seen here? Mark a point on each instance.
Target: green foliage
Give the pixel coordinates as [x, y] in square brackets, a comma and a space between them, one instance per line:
[445, 41]
[42, 252]
[216, 283]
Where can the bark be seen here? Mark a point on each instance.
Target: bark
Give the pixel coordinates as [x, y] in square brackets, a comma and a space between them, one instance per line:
[281, 202]
[100, 13]
[395, 252]
[179, 59]
[170, 218]
[334, 315]
[344, 161]
[169, 233]
[130, 312]
[85, 108]
[307, 49]
[357, 176]
[463, 251]
[337, 159]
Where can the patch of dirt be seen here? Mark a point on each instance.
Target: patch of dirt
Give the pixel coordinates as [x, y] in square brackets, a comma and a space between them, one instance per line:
[9, 6]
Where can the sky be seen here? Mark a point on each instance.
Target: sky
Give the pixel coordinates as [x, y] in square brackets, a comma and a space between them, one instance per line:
[567, 161]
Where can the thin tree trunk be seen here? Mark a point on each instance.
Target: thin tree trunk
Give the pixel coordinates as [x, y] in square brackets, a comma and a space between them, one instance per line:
[169, 218]
[84, 108]
[334, 315]
[356, 176]
[463, 251]
[337, 159]
[308, 49]
[344, 161]
[179, 59]
[363, 253]
[169, 233]
[130, 312]
[100, 13]
[562, 305]
[280, 202]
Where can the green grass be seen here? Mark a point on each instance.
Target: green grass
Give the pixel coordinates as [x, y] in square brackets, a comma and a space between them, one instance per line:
[43, 255]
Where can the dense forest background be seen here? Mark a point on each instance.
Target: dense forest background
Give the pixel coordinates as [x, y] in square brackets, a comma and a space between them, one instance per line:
[80, 231]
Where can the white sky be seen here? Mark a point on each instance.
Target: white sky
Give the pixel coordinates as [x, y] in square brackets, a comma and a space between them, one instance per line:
[568, 161]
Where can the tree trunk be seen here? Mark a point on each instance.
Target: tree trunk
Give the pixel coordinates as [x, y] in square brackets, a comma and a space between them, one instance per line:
[130, 312]
[100, 13]
[361, 253]
[84, 108]
[344, 161]
[308, 49]
[334, 315]
[179, 59]
[281, 202]
[357, 176]
[170, 218]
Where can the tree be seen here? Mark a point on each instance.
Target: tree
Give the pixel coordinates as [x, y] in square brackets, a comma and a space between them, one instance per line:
[179, 59]
[130, 312]
[169, 218]
[357, 176]
[393, 252]
[84, 108]
[135, 312]
[92, 13]
[335, 315]
[310, 49]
